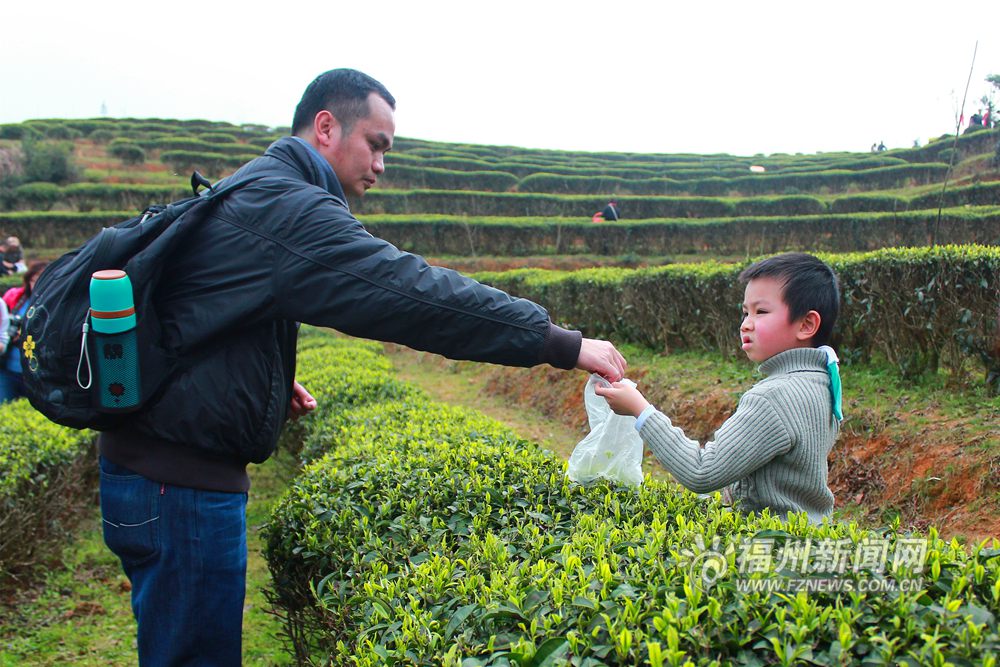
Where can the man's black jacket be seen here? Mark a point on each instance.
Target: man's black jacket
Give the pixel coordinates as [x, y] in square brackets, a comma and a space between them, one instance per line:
[286, 249]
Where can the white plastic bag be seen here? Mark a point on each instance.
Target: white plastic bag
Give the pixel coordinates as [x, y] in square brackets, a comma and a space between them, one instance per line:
[612, 449]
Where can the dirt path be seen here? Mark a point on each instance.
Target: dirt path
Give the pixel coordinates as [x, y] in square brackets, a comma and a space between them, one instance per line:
[467, 385]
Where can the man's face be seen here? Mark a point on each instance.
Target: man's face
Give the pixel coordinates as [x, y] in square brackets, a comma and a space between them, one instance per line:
[358, 156]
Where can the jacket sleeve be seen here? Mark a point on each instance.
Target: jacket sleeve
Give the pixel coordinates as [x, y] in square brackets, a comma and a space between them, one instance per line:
[333, 273]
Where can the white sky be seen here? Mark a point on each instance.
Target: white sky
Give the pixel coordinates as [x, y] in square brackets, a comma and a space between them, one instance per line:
[701, 77]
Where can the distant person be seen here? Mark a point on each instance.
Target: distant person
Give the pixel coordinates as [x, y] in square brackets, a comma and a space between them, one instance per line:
[772, 453]
[977, 119]
[611, 212]
[16, 301]
[13, 256]
[986, 118]
[874, 147]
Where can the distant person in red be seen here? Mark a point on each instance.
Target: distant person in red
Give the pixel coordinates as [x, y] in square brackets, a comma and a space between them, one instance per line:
[609, 212]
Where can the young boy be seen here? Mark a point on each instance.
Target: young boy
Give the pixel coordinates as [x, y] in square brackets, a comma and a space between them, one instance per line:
[772, 452]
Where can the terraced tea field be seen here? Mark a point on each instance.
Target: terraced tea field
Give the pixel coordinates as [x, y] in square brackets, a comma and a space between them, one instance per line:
[920, 445]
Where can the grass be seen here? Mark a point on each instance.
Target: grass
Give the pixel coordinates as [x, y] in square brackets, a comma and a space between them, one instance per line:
[80, 614]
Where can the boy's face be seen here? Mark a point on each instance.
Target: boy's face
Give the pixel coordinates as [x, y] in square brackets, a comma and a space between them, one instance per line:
[766, 329]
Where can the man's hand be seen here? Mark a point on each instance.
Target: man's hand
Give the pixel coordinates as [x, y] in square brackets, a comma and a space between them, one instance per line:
[623, 399]
[302, 401]
[601, 357]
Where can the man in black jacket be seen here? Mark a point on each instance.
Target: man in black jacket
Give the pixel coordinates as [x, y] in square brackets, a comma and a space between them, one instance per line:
[282, 250]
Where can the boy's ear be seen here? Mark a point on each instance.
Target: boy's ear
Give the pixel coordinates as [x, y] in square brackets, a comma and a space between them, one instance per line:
[808, 325]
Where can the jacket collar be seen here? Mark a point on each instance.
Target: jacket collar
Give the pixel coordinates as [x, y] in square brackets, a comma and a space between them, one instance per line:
[308, 163]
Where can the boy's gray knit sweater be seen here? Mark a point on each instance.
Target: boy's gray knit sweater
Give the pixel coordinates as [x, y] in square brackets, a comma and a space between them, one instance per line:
[772, 452]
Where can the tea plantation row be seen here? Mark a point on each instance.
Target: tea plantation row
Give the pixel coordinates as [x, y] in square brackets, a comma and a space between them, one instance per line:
[919, 309]
[422, 534]
[437, 235]
[115, 197]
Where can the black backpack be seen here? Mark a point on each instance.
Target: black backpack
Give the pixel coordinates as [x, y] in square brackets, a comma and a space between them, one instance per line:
[55, 369]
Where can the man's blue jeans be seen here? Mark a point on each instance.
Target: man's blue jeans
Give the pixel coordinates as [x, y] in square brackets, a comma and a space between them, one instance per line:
[185, 552]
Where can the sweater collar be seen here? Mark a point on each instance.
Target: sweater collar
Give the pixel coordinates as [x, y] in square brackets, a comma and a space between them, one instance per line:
[306, 160]
[796, 359]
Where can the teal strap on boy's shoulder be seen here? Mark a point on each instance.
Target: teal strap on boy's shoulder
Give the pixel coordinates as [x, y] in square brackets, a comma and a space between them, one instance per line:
[833, 368]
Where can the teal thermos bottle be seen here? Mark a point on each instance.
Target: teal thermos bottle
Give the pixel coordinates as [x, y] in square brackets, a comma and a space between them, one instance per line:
[114, 349]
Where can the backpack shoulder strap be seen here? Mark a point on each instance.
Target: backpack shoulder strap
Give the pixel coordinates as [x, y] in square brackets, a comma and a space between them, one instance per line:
[155, 221]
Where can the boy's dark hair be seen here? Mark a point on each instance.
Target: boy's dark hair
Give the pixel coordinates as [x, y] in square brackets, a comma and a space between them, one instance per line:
[807, 284]
[344, 93]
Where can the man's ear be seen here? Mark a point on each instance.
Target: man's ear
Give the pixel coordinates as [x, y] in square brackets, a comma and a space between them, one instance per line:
[808, 325]
[327, 128]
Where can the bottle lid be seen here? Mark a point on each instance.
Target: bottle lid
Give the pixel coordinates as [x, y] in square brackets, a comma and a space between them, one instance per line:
[112, 308]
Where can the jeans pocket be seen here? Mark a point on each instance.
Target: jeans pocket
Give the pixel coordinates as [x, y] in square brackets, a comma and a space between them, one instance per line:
[130, 513]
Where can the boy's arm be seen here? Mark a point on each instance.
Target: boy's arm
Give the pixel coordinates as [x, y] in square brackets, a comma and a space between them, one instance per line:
[749, 439]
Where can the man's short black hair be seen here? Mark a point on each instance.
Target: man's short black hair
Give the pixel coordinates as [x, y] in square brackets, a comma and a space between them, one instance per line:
[807, 284]
[344, 93]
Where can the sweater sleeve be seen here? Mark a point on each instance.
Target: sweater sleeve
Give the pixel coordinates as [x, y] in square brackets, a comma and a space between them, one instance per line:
[754, 435]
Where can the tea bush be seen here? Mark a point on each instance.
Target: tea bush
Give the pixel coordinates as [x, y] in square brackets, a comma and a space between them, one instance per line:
[431, 535]
[831, 180]
[101, 136]
[40, 195]
[918, 308]
[516, 204]
[404, 177]
[127, 151]
[46, 471]
[220, 138]
[57, 229]
[192, 145]
[211, 163]
[86, 197]
[435, 235]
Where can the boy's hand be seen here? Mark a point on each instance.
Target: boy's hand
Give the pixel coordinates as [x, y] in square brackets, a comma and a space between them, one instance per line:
[623, 399]
[601, 357]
